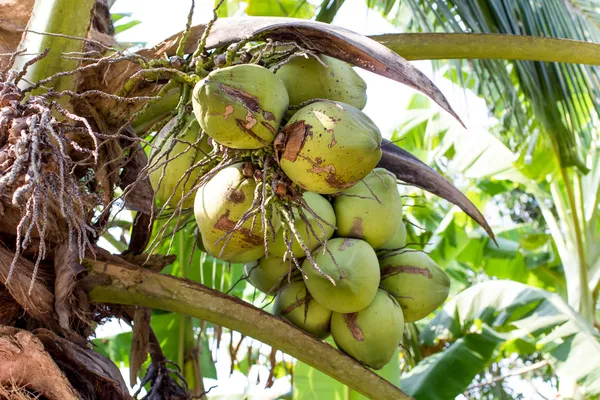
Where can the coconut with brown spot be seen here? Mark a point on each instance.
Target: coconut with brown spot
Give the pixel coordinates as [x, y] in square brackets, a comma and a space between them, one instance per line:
[371, 209]
[371, 335]
[172, 163]
[294, 303]
[329, 146]
[354, 270]
[218, 206]
[240, 106]
[321, 226]
[307, 78]
[416, 281]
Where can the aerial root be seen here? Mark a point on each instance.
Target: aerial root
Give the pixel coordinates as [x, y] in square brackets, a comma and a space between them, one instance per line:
[37, 175]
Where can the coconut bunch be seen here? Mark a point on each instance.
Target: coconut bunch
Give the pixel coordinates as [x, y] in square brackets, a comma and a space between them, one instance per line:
[279, 163]
[379, 283]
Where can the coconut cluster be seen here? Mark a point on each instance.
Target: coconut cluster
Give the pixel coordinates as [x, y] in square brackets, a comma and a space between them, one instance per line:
[288, 186]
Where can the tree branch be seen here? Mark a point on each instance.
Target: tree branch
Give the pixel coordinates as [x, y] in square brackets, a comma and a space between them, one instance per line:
[122, 283]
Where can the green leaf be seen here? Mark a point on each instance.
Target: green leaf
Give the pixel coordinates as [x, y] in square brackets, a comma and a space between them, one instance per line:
[117, 16]
[446, 374]
[280, 8]
[123, 27]
[116, 348]
[513, 311]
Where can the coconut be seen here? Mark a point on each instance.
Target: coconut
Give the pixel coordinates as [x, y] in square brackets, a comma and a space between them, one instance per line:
[295, 304]
[326, 78]
[219, 205]
[416, 281]
[329, 146]
[398, 240]
[356, 275]
[372, 335]
[185, 153]
[268, 273]
[314, 234]
[240, 106]
[371, 209]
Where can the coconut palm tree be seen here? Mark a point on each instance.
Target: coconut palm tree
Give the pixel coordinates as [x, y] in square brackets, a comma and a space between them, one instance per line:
[76, 110]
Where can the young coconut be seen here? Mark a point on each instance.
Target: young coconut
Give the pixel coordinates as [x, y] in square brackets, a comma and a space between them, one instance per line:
[372, 335]
[315, 233]
[307, 78]
[416, 281]
[398, 240]
[240, 106]
[328, 146]
[219, 206]
[268, 273]
[173, 155]
[295, 304]
[356, 275]
[371, 209]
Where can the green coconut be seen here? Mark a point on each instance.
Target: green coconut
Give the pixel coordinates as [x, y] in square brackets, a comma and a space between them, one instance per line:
[323, 230]
[398, 240]
[295, 304]
[218, 206]
[240, 106]
[356, 275]
[371, 209]
[307, 78]
[268, 273]
[182, 156]
[416, 281]
[329, 146]
[372, 335]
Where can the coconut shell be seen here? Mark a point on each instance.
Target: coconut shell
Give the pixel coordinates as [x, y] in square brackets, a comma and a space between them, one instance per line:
[320, 206]
[183, 156]
[240, 106]
[218, 206]
[295, 304]
[329, 146]
[308, 78]
[371, 209]
[356, 275]
[372, 335]
[416, 281]
[268, 273]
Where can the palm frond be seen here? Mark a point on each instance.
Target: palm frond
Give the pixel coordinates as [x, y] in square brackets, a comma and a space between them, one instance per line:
[561, 100]
[588, 9]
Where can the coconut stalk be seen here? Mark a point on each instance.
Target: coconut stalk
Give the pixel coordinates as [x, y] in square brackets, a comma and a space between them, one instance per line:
[470, 46]
[64, 17]
[125, 284]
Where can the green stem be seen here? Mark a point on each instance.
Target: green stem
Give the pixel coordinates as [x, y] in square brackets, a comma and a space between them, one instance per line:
[129, 285]
[65, 17]
[585, 298]
[444, 46]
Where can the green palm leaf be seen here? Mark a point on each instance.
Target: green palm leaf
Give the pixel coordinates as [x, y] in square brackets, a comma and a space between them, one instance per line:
[487, 316]
[559, 99]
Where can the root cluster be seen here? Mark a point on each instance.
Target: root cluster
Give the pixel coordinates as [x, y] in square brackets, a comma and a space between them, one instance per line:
[37, 140]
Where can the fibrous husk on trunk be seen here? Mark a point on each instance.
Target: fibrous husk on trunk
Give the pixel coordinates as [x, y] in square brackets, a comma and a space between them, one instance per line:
[91, 374]
[25, 363]
[40, 305]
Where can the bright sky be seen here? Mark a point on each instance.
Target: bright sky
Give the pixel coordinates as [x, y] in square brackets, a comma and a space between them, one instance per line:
[387, 99]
